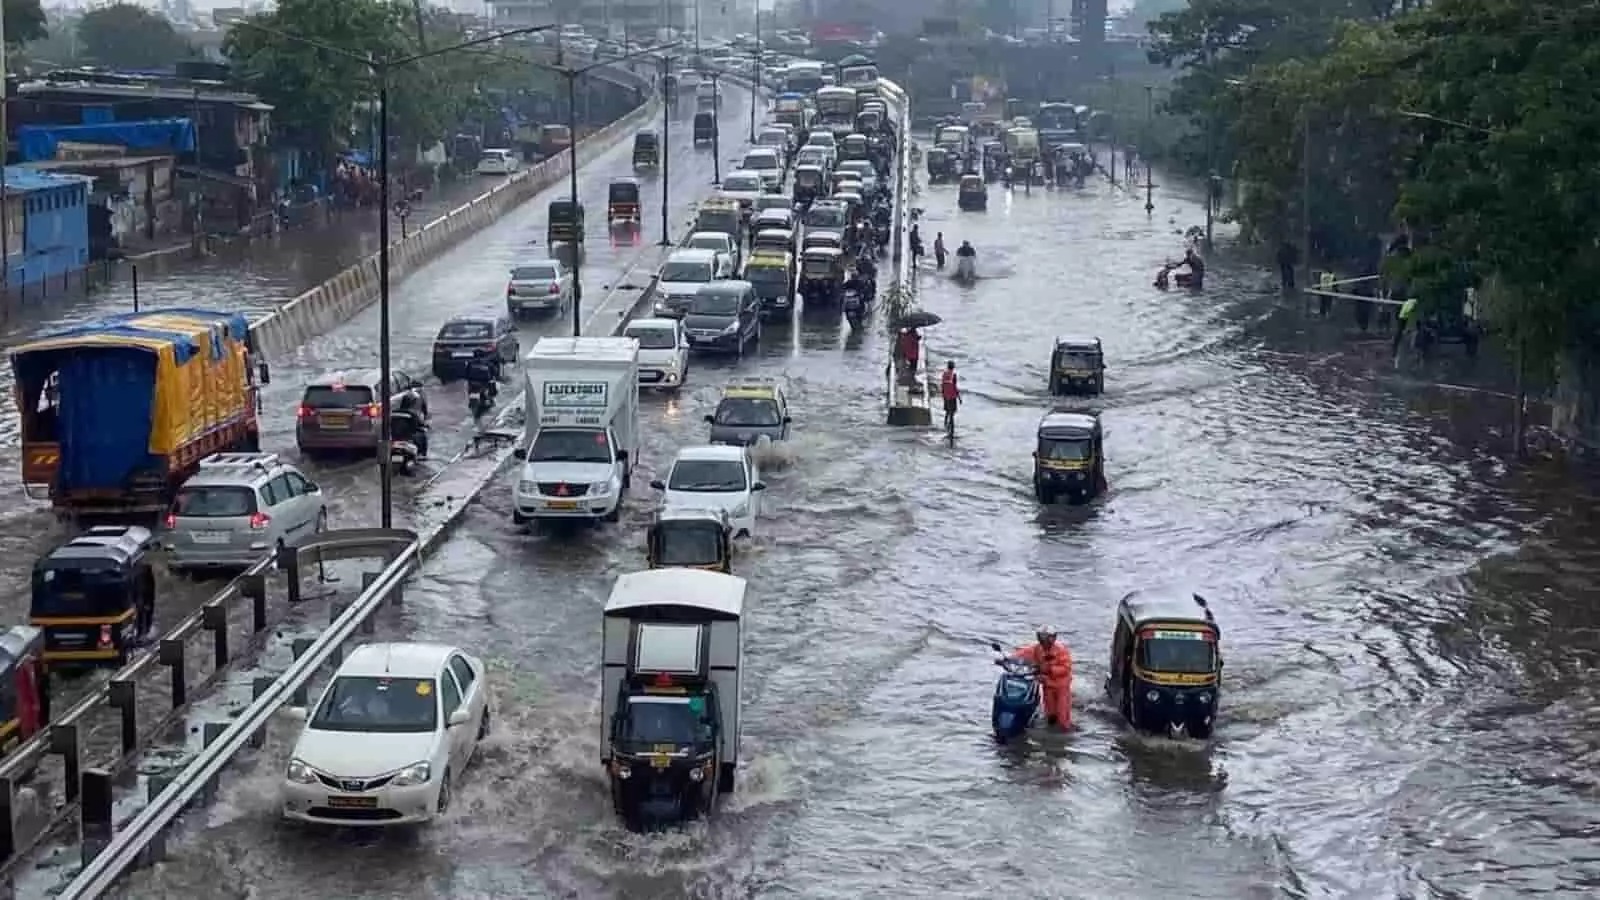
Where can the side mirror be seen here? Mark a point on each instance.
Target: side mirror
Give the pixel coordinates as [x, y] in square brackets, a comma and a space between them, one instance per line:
[759, 486]
[622, 456]
[297, 713]
[659, 485]
[711, 420]
[520, 453]
[313, 487]
[1035, 454]
[263, 372]
[459, 717]
[788, 420]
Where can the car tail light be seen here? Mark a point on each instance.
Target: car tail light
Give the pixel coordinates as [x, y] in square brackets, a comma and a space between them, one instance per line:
[305, 412]
[491, 347]
[172, 520]
[555, 288]
[105, 638]
[511, 290]
[260, 521]
[372, 410]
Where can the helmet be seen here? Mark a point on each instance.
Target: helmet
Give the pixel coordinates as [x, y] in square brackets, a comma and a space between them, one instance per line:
[1045, 633]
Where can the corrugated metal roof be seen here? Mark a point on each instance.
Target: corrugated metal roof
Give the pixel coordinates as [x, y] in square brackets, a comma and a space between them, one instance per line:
[144, 89]
[23, 180]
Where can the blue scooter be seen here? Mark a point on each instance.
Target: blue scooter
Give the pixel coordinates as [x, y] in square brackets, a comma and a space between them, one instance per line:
[1016, 697]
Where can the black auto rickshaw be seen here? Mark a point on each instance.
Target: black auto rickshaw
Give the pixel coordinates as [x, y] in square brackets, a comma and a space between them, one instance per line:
[973, 195]
[808, 184]
[869, 121]
[564, 222]
[854, 146]
[822, 274]
[705, 127]
[1166, 664]
[1077, 365]
[1070, 457]
[646, 150]
[690, 539]
[938, 160]
[95, 596]
[623, 214]
[24, 686]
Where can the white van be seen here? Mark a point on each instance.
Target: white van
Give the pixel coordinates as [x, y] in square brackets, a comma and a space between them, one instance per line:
[498, 162]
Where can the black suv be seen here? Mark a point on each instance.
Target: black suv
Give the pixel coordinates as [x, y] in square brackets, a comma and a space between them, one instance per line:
[725, 316]
[465, 339]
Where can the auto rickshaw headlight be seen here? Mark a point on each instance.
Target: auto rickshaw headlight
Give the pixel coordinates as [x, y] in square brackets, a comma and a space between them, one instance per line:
[1205, 698]
[623, 772]
[1153, 696]
[697, 774]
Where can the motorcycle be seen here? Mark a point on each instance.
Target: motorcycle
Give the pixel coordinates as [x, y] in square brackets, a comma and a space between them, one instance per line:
[408, 440]
[966, 268]
[480, 397]
[855, 307]
[1016, 698]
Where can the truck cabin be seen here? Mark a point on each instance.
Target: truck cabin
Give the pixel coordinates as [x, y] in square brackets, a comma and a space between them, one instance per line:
[1068, 440]
[24, 687]
[690, 539]
[93, 595]
[951, 137]
[1167, 638]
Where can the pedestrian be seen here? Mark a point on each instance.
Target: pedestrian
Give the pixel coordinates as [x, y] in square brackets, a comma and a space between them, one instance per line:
[1288, 258]
[910, 349]
[1408, 313]
[950, 390]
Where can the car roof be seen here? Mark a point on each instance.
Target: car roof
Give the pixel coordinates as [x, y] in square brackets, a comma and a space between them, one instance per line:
[773, 212]
[399, 659]
[1076, 340]
[720, 235]
[357, 377]
[540, 261]
[653, 323]
[692, 254]
[712, 452]
[470, 319]
[237, 469]
[120, 544]
[727, 286]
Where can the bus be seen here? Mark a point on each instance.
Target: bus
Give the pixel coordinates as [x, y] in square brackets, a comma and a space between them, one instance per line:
[803, 77]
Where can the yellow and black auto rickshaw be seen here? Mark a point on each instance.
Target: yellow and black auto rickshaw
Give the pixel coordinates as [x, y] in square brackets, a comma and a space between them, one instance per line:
[24, 688]
[1070, 457]
[564, 222]
[623, 213]
[808, 184]
[973, 194]
[1166, 664]
[940, 166]
[690, 539]
[1077, 365]
[646, 150]
[95, 596]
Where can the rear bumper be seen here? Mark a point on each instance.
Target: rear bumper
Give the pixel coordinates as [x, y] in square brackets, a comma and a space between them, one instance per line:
[322, 440]
[203, 557]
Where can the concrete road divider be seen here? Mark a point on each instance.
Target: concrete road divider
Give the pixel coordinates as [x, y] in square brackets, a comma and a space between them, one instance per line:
[341, 297]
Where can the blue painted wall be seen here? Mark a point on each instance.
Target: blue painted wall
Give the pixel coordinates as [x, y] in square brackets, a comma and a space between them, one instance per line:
[55, 238]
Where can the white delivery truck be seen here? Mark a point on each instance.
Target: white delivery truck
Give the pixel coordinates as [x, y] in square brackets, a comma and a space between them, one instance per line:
[582, 436]
[672, 648]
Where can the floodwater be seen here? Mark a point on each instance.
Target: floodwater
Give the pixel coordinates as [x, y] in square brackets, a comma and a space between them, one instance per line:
[1410, 701]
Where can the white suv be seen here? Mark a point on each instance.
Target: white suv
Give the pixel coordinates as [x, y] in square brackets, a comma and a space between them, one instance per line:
[238, 508]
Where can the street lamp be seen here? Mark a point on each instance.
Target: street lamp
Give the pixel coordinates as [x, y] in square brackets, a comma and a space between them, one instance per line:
[1149, 117]
[668, 95]
[381, 68]
[755, 97]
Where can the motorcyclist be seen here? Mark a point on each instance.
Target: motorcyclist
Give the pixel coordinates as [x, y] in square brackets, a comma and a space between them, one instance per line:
[481, 386]
[855, 283]
[966, 251]
[412, 406]
[1054, 662]
[938, 250]
[1197, 268]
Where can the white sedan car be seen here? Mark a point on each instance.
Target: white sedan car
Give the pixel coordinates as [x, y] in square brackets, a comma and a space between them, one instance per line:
[390, 737]
[719, 477]
[721, 244]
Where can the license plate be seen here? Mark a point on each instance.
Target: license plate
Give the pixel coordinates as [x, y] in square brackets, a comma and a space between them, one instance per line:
[334, 420]
[563, 504]
[211, 537]
[353, 802]
[649, 376]
[461, 354]
[660, 762]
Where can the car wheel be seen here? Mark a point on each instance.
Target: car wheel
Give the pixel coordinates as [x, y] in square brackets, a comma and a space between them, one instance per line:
[443, 805]
[484, 726]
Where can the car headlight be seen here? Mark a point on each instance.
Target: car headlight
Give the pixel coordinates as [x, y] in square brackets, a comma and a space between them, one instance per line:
[1153, 696]
[527, 487]
[300, 773]
[697, 774]
[412, 775]
[624, 772]
[741, 510]
[601, 487]
[731, 328]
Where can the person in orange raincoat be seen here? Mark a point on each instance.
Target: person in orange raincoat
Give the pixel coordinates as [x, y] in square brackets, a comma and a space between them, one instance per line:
[1054, 662]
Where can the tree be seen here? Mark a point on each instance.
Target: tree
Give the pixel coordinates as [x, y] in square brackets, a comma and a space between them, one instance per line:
[126, 36]
[24, 22]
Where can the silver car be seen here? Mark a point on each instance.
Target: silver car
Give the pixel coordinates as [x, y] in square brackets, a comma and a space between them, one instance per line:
[540, 286]
[238, 508]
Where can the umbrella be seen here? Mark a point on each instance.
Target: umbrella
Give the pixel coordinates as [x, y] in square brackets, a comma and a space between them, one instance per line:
[917, 318]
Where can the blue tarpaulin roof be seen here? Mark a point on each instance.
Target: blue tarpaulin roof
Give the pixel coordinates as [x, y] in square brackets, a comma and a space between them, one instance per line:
[38, 142]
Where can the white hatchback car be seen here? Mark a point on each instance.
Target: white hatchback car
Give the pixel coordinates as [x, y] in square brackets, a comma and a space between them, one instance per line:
[389, 738]
[716, 477]
[720, 243]
[498, 162]
[663, 352]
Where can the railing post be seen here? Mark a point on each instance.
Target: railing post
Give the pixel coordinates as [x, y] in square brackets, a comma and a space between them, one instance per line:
[214, 618]
[209, 733]
[299, 648]
[289, 565]
[8, 819]
[370, 623]
[255, 587]
[64, 743]
[94, 816]
[171, 656]
[370, 578]
[335, 610]
[258, 687]
[123, 696]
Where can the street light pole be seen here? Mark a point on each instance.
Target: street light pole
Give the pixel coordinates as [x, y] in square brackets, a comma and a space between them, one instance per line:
[1305, 194]
[716, 126]
[756, 95]
[667, 97]
[1149, 115]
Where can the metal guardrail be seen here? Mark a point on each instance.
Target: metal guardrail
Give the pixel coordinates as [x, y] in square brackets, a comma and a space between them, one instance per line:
[22, 827]
[108, 853]
[1327, 286]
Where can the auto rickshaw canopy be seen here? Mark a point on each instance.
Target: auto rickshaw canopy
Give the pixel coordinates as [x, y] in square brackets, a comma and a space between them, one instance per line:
[95, 573]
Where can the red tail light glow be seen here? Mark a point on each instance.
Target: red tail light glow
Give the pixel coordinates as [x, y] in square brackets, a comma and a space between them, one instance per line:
[555, 288]
[372, 410]
[172, 520]
[305, 412]
[105, 638]
[259, 521]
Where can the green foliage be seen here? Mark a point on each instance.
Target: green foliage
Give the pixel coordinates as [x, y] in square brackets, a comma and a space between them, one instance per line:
[126, 36]
[24, 22]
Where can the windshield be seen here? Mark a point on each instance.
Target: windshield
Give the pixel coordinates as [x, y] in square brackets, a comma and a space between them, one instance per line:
[554, 445]
[1177, 652]
[818, 267]
[466, 330]
[773, 138]
[1066, 450]
[825, 217]
[384, 705]
[653, 338]
[661, 720]
[820, 139]
[1079, 359]
[715, 304]
[767, 276]
[711, 475]
[86, 592]
[214, 502]
[716, 242]
[761, 161]
[738, 183]
[686, 271]
[347, 396]
[747, 412]
[534, 273]
[727, 223]
[688, 544]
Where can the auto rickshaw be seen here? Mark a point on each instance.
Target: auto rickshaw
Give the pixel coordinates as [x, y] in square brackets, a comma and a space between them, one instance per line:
[688, 538]
[1070, 457]
[705, 127]
[868, 121]
[780, 240]
[1166, 664]
[828, 216]
[831, 240]
[854, 146]
[808, 181]
[646, 150]
[1077, 365]
[821, 274]
[623, 215]
[95, 596]
[974, 194]
[24, 686]
[938, 160]
[564, 222]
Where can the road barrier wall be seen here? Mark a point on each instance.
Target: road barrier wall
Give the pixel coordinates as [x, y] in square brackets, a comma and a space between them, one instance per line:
[340, 298]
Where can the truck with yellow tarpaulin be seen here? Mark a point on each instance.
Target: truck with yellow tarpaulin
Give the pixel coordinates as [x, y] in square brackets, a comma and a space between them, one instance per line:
[116, 414]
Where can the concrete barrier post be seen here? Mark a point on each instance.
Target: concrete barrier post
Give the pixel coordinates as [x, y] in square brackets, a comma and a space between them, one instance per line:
[94, 813]
[8, 819]
[171, 656]
[122, 694]
[289, 565]
[156, 850]
[255, 588]
[258, 687]
[299, 648]
[64, 743]
[209, 732]
[214, 618]
[335, 610]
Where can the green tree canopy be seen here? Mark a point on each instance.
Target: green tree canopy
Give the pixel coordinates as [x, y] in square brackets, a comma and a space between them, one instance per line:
[24, 21]
[123, 35]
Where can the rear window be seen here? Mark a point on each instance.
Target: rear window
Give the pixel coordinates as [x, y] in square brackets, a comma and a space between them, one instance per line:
[466, 330]
[534, 273]
[215, 502]
[348, 396]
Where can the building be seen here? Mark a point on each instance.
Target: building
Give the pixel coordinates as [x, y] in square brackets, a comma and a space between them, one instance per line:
[642, 18]
[131, 198]
[44, 236]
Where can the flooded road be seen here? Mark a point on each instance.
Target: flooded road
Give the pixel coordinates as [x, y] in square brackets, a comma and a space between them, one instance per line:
[1410, 701]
